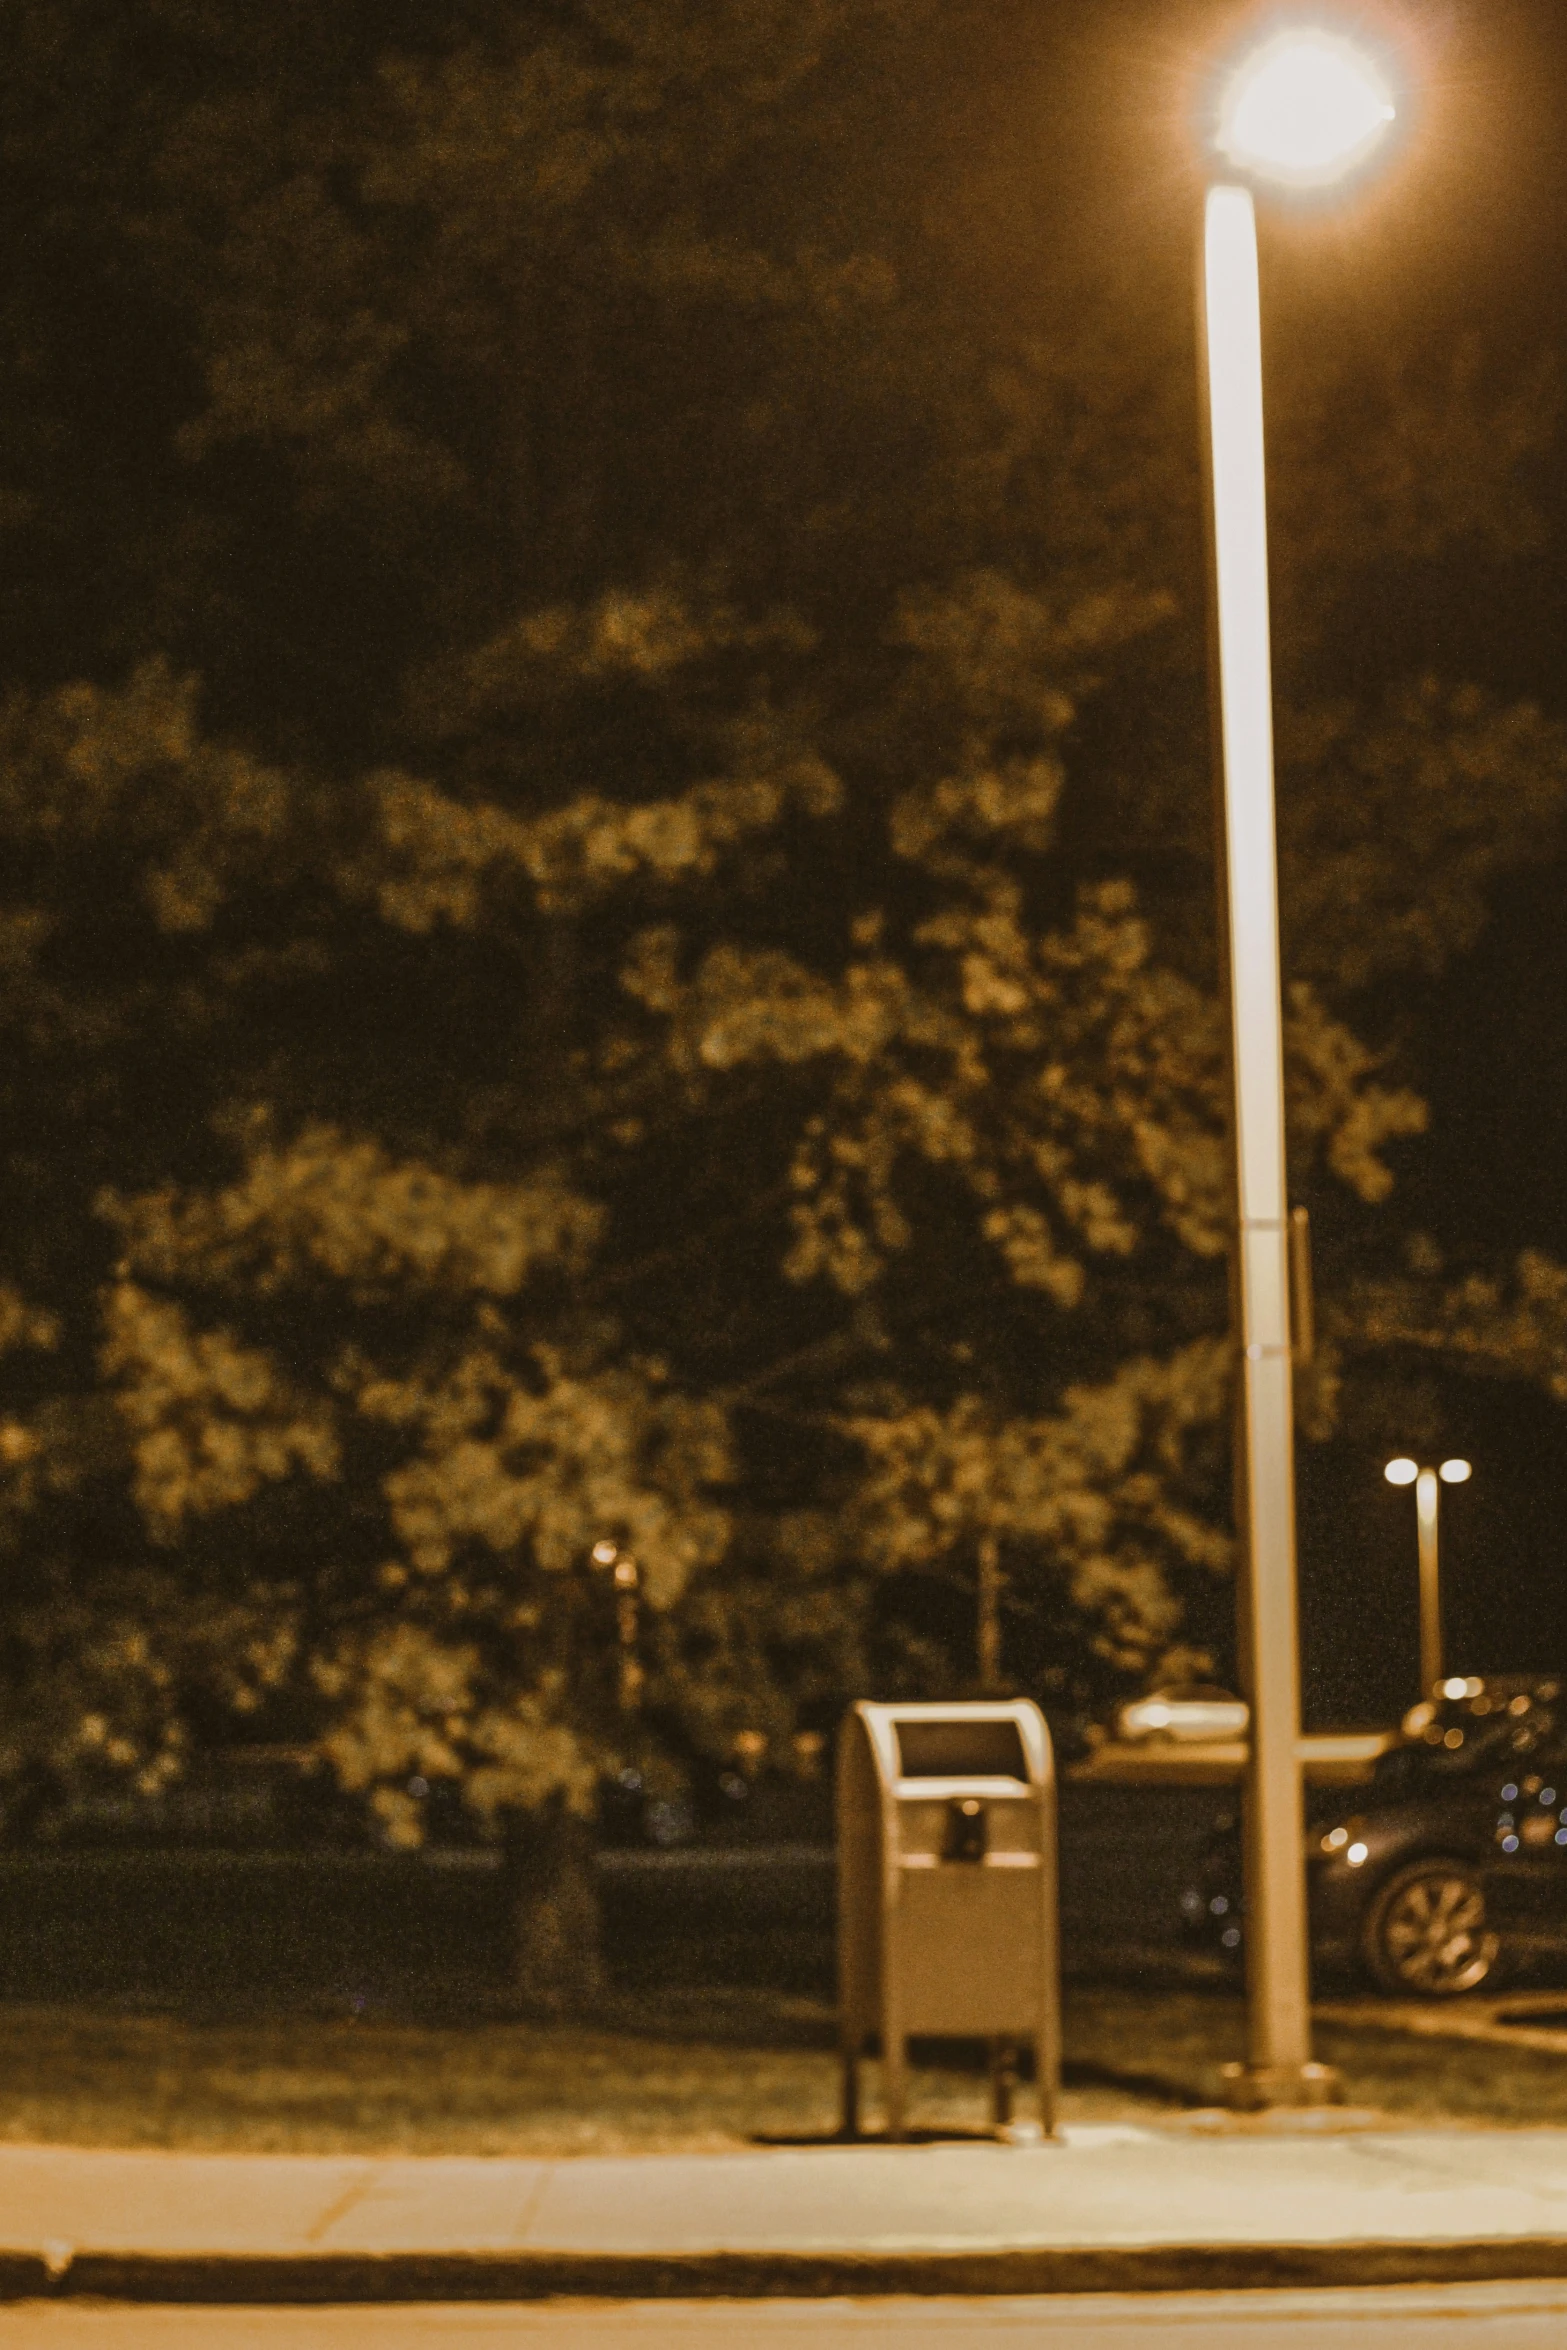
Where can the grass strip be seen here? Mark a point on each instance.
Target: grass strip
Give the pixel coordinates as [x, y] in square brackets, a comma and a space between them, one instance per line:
[681, 2072]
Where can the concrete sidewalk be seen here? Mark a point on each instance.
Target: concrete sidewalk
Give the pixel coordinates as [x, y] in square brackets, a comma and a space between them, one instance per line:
[1111, 2208]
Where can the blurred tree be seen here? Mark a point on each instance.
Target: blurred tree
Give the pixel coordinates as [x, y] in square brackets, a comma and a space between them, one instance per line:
[659, 991]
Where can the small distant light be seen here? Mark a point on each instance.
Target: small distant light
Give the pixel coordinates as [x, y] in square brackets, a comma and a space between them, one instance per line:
[1156, 1717]
[1356, 1854]
[1455, 1472]
[1401, 1472]
[1335, 1839]
[1231, 1937]
[1452, 1739]
[631, 1781]
[1191, 1902]
[1519, 1705]
[605, 1553]
[1455, 1688]
[1473, 1686]
[1561, 1835]
[419, 1787]
[1547, 1796]
[626, 1574]
[1509, 1844]
[1509, 1793]
[1219, 1904]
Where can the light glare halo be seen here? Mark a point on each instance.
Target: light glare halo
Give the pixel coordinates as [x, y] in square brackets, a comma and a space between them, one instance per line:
[1401, 1472]
[1455, 1472]
[1305, 109]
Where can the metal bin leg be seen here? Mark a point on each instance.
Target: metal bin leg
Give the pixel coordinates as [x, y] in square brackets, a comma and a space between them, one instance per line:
[1003, 2081]
[849, 2126]
[1047, 2061]
[895, 2079]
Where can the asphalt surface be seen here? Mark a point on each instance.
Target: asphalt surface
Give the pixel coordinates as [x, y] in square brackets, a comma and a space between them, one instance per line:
[1478, 2318]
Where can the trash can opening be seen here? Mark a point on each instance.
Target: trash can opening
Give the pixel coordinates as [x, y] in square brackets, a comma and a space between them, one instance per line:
[961, 1750]
[968, 1837]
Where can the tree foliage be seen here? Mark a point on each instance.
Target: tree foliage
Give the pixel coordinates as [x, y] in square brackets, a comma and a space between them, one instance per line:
[606, 915]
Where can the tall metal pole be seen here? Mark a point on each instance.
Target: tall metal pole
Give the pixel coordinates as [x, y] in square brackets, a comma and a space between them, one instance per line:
[1428, 1493]
[1279, 2069]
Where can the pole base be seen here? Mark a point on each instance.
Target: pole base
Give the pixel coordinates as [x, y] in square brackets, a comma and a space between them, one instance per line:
[1257, 2088]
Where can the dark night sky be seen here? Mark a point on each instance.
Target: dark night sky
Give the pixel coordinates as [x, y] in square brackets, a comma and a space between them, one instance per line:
[1466, 235]
[1477, 235]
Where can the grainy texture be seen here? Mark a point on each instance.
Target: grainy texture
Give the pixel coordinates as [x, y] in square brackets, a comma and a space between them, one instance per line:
[699, 2070]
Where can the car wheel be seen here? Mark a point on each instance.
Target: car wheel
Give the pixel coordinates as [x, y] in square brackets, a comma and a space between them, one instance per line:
[1425, 1934]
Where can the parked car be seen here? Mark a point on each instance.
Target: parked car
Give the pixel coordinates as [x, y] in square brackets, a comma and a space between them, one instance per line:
[1191, 1710]
[1449, 1866]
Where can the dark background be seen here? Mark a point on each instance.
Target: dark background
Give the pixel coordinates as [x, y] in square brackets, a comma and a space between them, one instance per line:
[1462, 237]
[1469, 231]
[1489, 258]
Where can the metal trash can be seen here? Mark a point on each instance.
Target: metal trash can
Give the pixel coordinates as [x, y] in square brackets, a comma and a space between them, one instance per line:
[947, 1903]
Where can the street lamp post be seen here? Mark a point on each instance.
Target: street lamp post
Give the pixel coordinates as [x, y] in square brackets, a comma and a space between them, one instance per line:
[627, 1582]
[1301, 111]
[1428, 1485]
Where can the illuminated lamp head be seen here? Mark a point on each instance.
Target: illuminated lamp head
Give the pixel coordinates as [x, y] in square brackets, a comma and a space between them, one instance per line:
[1304, 110]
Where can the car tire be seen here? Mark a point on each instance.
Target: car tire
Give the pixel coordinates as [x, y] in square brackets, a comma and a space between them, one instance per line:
[1425, 1934]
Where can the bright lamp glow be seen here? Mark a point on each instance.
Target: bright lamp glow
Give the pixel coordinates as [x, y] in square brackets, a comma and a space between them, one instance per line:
[1305, 109]
[1401, 1472]
[1455, 1472]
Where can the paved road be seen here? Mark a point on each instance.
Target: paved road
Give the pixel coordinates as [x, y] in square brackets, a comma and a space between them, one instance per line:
[1486, 2317]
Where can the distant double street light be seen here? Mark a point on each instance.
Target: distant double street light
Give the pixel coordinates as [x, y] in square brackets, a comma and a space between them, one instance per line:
[1300, 112]
[1428, 1485]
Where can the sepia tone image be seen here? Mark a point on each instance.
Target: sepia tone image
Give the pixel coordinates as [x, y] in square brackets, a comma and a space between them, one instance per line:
[783, 1174]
